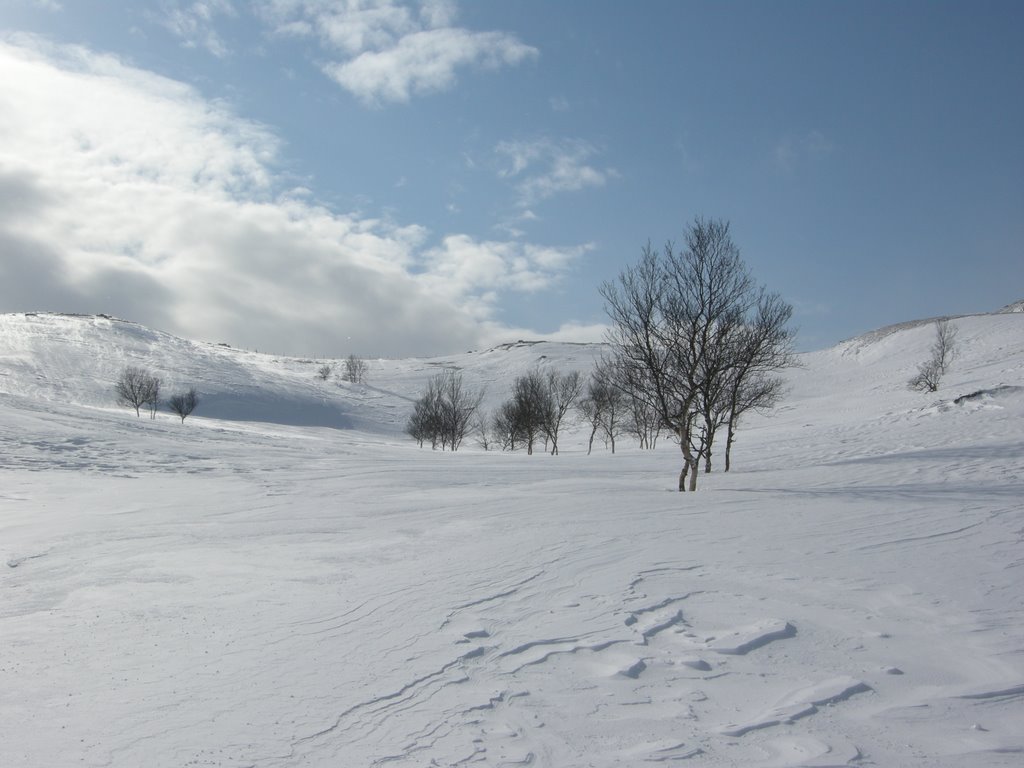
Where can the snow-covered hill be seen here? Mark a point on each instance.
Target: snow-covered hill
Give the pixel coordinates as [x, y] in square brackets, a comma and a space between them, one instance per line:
[249, 588]
[76, 359]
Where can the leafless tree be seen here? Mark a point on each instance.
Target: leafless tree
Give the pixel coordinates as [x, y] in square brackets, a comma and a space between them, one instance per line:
[504, 429]
[644, 422]
[531, 408]
[426, 421]
[324, 371]
[153, 397]
[459, 408]
[677, 318]
[943, 352]
[764, 346]
[184, 403]
[563, 390]
[136, 387]
[603, 407]
[482, 429]
[355, 370]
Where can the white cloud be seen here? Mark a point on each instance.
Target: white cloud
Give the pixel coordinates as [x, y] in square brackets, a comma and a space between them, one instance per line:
[393, 51]
[462, 266]
[193, 23]
[423, 62]
[544, 168]
[127, 193]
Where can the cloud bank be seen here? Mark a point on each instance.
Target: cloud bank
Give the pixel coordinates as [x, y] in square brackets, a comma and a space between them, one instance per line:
[127, 193]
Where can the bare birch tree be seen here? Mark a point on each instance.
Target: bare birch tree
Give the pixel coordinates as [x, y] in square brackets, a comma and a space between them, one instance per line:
[355, 370]
[184, 403]
[943, 352]
[676, 320]
[136, 387]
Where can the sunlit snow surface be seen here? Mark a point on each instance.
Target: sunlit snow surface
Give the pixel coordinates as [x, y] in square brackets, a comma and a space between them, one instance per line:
[250, 590]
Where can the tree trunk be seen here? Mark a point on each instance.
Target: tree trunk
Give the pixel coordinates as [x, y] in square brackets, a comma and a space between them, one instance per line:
[710, 429]
[590, 444]
[729, 436]
[689, 462]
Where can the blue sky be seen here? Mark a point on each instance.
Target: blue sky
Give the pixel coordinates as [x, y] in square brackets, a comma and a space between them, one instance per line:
[387, 178]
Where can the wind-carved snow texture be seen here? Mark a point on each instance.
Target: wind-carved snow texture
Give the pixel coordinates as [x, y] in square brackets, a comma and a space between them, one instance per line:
[264, 593]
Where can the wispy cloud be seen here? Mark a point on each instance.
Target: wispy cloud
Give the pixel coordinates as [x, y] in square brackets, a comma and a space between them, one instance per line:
[194, 23]
[391, 51]
[559, 104]
[128, 193]
[790, 152]
[543, 168]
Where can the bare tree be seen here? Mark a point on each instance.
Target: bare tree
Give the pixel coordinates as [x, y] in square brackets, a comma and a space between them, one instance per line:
[153, 397]
[752, 394]
[603, 407]
[563, 390]
[184, 403]
[459, 408]
[643, 423]
[531, 406]
[590, 408]
[482, 429]
[504, 428]
[944, 348]
[324, 371]
[942, 353]
[137, 387]
[764, 345]
[355, 370]
[676, 321]
[426, 421]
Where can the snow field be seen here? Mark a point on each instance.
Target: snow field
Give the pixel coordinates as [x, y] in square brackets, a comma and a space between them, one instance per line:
[239, 592]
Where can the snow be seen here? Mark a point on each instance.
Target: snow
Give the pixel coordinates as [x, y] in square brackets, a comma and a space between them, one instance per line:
[284, 580]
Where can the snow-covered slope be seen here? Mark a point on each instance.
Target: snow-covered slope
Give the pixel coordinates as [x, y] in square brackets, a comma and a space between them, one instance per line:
[244, 589]
[76, 359]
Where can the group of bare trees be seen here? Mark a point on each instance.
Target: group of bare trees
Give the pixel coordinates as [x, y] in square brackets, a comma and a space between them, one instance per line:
[137, 388]
[537, 410]
[611, 409]
[540, 403]
[443, 415]
[353, 370]
[696, 341]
